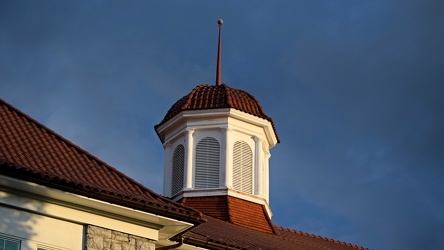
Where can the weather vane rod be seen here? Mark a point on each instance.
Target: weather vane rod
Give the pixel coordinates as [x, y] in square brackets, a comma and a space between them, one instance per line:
[218, 77]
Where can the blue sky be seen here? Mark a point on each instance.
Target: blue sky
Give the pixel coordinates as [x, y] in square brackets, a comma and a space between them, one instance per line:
[354, 87]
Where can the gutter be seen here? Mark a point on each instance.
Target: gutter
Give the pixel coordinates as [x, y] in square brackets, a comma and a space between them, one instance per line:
[23, 173]
[172, 246]
[209, 244]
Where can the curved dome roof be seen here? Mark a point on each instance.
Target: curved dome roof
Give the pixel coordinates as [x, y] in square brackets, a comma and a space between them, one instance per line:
[217, 97]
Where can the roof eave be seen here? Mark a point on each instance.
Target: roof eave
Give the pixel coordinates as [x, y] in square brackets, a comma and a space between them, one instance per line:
[268, 126]
[13, 171]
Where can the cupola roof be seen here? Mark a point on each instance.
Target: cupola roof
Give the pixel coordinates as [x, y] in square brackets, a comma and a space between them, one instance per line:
[218, 97]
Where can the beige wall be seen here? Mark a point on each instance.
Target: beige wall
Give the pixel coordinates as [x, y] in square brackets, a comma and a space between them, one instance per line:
[35, 230]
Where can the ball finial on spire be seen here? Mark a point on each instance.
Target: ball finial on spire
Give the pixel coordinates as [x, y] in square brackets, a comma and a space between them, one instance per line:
[220, 22]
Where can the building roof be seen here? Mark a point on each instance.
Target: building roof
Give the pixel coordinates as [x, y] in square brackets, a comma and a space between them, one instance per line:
[31, 151]
[240, 224]
[234, 210]
[217, 97]
[220, 234]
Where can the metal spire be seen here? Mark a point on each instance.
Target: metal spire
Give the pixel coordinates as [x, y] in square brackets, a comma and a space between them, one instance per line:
[218, 77]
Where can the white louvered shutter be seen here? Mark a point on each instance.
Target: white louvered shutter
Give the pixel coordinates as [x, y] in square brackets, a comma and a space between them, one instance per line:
[242, 167]
[207, 163]
[178, 169]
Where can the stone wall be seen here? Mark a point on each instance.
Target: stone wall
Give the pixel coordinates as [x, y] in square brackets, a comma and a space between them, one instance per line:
[98, 238]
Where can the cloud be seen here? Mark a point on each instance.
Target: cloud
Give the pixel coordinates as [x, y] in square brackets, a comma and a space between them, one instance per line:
[354, 89]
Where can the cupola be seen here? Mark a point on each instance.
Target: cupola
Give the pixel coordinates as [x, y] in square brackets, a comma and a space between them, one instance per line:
[217, 142]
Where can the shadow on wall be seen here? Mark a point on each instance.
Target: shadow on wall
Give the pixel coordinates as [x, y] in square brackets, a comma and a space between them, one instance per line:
[17, 224]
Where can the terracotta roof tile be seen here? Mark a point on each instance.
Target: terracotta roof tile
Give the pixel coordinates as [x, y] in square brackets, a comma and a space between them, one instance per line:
[31, 151]
[230, 236]
[217, 97]
[216, 206]
[237, 211]
[239, 224]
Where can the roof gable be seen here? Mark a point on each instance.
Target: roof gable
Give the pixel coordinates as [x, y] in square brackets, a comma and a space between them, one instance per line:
[31, 151]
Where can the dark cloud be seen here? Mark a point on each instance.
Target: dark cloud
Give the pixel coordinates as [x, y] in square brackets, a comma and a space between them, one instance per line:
[354, 88]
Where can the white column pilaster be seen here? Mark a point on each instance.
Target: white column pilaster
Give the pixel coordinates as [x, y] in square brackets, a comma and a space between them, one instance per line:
[189, 151]
[267, 176]
[228, 158]
[167, 169]
[258, 168]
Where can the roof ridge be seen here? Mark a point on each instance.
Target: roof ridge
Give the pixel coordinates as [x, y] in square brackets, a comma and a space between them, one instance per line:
[261, 109]
[228, 95]
[58, 136]
[319, 237]
[270, 223]
[94, 158]
[68, 142]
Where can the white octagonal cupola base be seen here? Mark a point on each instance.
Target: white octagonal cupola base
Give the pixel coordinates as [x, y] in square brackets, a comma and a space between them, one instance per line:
[215, 152]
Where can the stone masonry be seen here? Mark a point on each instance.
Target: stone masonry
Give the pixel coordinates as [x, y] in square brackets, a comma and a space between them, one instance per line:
[98, 238]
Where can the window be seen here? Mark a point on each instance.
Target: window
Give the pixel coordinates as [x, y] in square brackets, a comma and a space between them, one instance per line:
[242, 167]
[207, 163]
[40, 247]
[178, 169]
[9, 244]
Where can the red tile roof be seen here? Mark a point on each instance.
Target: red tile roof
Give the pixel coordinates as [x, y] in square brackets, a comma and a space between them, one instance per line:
[237, 211]
[31, 151]
[217, 97]
[216, 206]
[250, 215]
[240, 224]
[219, 234]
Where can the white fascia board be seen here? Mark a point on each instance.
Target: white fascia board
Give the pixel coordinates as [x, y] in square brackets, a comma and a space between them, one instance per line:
[265, 124]
[213, 118]
[83, 210]
[190, 247]
[188, 114]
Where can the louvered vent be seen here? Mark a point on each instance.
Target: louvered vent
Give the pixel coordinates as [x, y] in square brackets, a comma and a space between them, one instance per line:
[242, 167]
[178, 169]
[207, 163]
